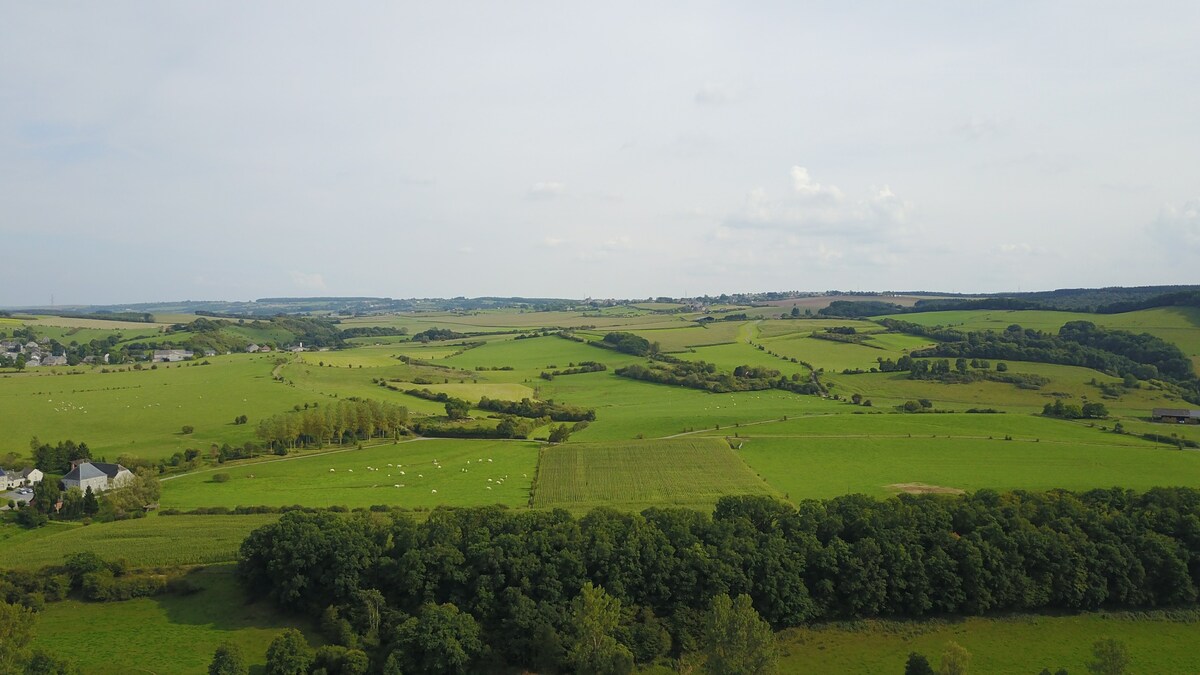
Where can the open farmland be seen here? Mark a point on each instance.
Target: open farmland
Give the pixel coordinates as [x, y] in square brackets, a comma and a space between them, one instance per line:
[141, 412]
[145, 542]
[692, 472]
[1158, 643]
[425, 473]
[167, 634]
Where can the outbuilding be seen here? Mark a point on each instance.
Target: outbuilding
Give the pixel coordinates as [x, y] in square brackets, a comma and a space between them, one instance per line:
[1176, 415]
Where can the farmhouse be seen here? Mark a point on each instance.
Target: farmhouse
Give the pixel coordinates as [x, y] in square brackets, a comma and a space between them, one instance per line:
[97, 475]
[171, 355]
[1176, 415]
[252, 348]
[12, 479]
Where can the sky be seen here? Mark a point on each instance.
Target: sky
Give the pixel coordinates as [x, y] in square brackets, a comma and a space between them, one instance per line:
[229, 150]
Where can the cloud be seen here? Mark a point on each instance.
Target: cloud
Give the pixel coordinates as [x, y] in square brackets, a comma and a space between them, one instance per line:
[307, 280]
[713, 93]
[978, 128]
[815, 208]
[554, 242]
[546, 190]
[1178, 227]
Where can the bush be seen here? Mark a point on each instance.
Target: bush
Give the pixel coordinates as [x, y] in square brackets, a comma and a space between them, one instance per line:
[187, 429]
[220, 478]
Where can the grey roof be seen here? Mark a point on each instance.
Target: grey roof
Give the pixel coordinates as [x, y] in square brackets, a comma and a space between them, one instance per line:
[1175, 412]
[110, 470]
[85, 471]
[25, 473]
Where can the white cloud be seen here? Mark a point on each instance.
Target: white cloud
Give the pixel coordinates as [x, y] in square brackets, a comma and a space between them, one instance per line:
[554, 242]
[714, 93]
[310, 281]
[815, 208]
[1178, 227]
[546, 190]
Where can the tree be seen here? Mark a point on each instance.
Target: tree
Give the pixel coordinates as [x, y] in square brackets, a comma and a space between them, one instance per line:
[90, 504]
[738, 640]
[457, 409]
[46, 495]
[440, 639]
[560, 433]
[795, 311]
[917, 664]
[288, 654]
[955, 659]
[187, 429]
[1111, 657]
[47, 664]
[228, 660]
[595, 616]
[16, 631]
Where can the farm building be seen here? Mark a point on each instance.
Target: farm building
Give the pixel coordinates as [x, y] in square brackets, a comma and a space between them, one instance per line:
[12, 479]
[252, 348]
[1176, 415]
[171, 355]
[97, 475]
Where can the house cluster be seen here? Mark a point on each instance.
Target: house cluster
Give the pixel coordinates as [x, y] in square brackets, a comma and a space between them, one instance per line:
[258, 349]
[1176, 415]
[10, 479]
[35, 353]
[99, 476]
[171, 355]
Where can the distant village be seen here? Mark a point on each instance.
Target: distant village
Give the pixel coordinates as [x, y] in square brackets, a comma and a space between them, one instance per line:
[32, 354]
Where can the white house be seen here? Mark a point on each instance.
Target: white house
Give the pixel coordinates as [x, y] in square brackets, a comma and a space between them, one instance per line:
[97, 475]
[252, 348]
[11, 479]
[172, 355]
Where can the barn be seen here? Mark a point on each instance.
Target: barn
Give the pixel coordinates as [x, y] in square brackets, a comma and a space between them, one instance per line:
[1176, 415]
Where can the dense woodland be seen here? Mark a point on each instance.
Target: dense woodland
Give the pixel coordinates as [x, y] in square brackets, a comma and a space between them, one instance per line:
[511, 580]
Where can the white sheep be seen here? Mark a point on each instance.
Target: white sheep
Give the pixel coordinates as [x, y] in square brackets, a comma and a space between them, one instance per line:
[434, 491]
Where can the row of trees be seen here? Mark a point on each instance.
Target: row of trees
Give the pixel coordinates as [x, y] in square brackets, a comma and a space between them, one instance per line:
[517, 574]
[705, 376]
[559, 412]
[346, 420]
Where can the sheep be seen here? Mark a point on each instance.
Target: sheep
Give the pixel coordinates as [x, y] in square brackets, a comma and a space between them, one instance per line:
[434, 491]
[332, 470]
[396, 485]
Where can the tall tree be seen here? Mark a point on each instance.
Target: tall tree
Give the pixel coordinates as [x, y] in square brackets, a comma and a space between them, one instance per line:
[955, 659]
[228, 660]
[16, 631]
[288, 654]
[595, 616]
[440, 640]
[738, 641]
[917, 664]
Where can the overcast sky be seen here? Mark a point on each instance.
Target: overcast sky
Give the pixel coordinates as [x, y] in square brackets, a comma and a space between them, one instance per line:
[154, 151]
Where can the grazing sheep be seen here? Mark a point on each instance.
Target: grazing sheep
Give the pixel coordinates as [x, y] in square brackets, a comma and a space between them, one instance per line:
[434, 491]
[332, 470]
[396, 485]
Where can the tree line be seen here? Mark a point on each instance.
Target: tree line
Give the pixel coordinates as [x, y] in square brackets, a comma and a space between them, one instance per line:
[706, 376]
[347, 420]
[517, 575]
[558, 412]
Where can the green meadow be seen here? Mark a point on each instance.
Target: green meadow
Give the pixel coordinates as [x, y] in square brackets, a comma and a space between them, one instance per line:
[1018, 645]
[423, 473]
[165, 634]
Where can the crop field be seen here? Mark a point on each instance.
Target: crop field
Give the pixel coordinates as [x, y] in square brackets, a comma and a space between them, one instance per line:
[142, 412]
[730, 356]
[423, 473]
[674, 472]
[145, 542]
[680, 338]
[1019, 645]
[828, 354]
[776, 327]
[101, 324]
[167, 634]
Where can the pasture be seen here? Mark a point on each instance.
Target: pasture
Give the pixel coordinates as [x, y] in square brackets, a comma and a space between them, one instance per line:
[681, 472]
[154, 541]
[422, 473]
[1020, 645]
[166, 634]
[141, 412]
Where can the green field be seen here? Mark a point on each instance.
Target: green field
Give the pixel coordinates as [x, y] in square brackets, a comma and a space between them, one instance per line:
[145, 542]
[1020, 645]
[496, 472]
[141, 412]
[682, 472]
[167, 634]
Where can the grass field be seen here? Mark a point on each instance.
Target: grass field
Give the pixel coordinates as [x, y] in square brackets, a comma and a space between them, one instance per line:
[1020, 645]
[692, 472]
[145, 542]
[142, 412]
[363, 477]
[167, 634]
[821, 467]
